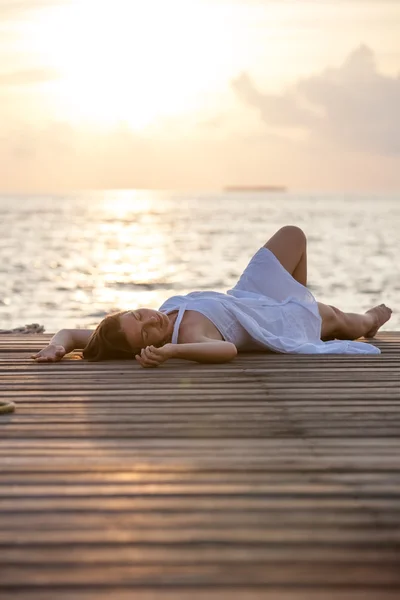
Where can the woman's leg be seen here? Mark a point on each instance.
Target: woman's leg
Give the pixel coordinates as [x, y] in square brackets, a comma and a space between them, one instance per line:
[289, 244]
[350, 326]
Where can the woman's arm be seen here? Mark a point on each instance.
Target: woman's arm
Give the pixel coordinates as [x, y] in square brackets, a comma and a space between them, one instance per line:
[71, 339]
[62, 342]
[204, 352]
[212, 351]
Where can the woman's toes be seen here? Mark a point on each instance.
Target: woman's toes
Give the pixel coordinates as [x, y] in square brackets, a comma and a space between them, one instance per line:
[380, 314]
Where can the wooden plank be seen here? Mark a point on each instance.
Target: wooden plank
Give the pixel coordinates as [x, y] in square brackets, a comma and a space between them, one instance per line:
[197, 431]
[171, 520]
[252, 575]
[373, 535]
[378, 504]
[227, 592]
[266, 477]
[94, 554]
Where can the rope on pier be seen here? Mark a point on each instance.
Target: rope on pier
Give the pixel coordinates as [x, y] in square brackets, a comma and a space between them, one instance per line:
[32, 328]
[9, 407]
[6, 407]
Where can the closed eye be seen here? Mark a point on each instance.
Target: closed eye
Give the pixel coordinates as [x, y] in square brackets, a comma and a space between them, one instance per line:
[137, 317]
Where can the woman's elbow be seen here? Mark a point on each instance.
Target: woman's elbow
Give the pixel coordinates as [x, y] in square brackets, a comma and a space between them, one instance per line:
[224, 352]
[231, 352]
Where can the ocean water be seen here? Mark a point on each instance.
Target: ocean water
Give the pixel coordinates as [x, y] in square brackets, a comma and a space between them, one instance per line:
[68, 260]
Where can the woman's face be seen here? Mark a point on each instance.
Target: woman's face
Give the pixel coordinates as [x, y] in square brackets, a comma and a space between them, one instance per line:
[145, 327]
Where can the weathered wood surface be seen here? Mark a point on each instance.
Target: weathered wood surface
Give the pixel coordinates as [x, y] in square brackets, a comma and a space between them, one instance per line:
[273, 476]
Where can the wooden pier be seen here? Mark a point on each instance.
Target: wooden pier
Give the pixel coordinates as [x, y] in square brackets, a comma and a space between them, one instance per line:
[272, 477]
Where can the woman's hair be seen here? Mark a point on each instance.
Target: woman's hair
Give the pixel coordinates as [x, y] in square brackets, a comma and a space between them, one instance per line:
[109, 342]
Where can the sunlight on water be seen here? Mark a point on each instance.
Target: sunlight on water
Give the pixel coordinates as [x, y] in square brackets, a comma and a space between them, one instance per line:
[68, 261]
[125, 203]
[133, 249]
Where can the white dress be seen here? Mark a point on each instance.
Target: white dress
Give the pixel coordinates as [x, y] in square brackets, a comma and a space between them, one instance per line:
[266, 309]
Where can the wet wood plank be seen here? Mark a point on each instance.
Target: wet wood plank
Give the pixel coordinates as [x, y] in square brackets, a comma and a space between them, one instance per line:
[273, 476]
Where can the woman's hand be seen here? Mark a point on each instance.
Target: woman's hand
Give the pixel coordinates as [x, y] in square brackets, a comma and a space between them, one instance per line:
[51, 353]
[153, 357]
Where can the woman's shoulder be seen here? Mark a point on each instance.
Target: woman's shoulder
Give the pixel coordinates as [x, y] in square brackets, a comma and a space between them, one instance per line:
[177, 301]
[172, 303]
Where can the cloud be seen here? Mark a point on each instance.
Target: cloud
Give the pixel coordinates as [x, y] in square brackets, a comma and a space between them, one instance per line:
[15, 8]
[353, 106]
[27, 77]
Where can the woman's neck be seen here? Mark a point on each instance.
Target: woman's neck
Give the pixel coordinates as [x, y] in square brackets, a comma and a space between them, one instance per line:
[172, 318]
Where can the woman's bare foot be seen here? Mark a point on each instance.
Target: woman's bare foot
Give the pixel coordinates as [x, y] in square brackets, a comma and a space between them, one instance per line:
[380, 315]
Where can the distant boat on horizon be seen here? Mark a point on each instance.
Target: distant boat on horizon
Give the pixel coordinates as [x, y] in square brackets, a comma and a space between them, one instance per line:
[255, 188]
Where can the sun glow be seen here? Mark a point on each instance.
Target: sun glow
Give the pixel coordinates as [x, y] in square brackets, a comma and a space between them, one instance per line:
[134, 61]
[121, 204]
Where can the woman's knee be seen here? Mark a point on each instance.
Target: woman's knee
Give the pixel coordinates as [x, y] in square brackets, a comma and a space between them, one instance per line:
[289, 246]
[293, 232]
[289, 237]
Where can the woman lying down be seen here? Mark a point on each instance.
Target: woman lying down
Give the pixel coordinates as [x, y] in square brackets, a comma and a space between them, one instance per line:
[270, 308]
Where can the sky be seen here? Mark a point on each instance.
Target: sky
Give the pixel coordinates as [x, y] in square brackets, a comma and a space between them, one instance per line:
[199, 94]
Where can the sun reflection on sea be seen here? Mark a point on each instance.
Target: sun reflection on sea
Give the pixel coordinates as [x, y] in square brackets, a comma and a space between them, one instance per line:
[120, 203]
[131, 250]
